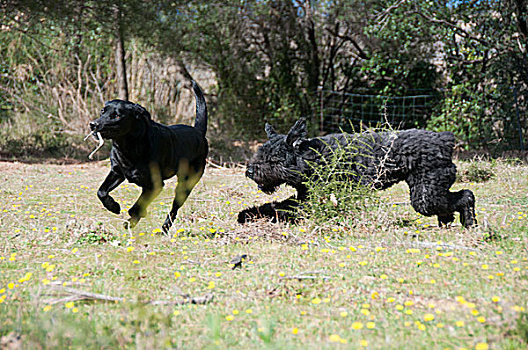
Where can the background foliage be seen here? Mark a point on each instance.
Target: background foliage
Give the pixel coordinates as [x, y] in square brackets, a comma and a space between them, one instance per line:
[264, 61]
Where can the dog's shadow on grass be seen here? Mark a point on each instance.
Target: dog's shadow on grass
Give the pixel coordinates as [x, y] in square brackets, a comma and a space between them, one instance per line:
[284, 211]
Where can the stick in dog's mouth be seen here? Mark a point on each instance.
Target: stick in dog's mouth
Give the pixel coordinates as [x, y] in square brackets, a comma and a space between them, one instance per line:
[98, 138]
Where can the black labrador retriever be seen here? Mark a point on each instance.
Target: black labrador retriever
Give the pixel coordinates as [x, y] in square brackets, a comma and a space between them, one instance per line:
[146, 153]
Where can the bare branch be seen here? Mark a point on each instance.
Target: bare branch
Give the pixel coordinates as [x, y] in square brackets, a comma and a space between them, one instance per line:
[462, 32]
[361, 53]
[77, 295]
[381, 16]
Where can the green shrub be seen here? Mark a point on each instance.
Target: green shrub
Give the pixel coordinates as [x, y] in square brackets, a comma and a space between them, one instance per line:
[476, 172]
[332, 196]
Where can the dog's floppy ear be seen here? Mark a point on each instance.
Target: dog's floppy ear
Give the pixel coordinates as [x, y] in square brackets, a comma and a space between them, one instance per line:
[297, 132]
[270, 131]
[141, 112]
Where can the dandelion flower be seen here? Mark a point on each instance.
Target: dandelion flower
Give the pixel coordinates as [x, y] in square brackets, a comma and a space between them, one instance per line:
[365, 312]
[316, 301]
[428, 317]
[357, 325]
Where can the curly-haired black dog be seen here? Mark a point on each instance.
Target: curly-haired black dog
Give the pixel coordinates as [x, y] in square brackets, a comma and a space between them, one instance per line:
[146, 153]
[421, 158]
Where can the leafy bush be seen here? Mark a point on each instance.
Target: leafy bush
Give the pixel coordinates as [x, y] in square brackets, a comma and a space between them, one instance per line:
[332, 196]
[33, 144]
[477, 171]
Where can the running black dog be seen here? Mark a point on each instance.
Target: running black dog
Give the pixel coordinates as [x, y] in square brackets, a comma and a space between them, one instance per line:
[146, 153]
[423, 159]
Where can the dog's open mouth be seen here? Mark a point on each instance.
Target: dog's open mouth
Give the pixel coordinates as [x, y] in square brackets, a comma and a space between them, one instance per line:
[97, 136]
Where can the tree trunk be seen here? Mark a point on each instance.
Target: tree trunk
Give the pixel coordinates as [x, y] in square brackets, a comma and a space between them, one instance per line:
[122, 86]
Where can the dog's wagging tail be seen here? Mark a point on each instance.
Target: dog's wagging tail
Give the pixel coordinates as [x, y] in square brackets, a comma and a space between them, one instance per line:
[421, 158]
[146, 153]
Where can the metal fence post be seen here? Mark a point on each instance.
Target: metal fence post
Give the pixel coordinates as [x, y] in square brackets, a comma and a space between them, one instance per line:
[519, 126]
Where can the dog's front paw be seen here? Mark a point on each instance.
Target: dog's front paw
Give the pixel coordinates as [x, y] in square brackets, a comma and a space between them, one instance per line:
[247, 215]
[112, 205]
[131, 223]
[166, 226]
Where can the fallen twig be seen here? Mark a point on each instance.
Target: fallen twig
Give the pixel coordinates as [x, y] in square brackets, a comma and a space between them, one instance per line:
[77, 295]
[442, 245]
[305, 277]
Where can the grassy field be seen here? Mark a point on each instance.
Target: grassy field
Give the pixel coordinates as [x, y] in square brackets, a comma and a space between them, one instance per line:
[392, 280]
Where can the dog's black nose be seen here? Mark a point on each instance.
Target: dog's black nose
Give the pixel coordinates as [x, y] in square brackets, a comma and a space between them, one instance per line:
[250, 172]
[93, 126]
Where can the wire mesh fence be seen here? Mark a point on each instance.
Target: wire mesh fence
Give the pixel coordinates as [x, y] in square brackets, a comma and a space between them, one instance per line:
[345, 111]
[336, 111]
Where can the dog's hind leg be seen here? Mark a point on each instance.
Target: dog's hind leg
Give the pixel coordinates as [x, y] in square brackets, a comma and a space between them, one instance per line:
[186, 183]
[432, 197]
[113, 179]
[464, 202]
[429, 199]
[445, 220]
[139, 209]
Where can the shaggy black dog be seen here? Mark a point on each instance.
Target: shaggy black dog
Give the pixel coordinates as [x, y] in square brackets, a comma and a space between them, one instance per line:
[419, 157]
[146, 153]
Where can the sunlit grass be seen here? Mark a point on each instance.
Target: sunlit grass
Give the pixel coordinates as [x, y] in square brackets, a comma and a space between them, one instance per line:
[393, 281]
